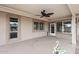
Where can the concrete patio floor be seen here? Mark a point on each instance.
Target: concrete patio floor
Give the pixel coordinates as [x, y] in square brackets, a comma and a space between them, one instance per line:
[43, 45]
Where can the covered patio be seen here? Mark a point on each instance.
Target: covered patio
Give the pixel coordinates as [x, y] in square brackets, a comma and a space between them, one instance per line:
[25, 31]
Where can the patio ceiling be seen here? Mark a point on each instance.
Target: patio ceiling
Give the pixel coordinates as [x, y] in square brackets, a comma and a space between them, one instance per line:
[60, 10]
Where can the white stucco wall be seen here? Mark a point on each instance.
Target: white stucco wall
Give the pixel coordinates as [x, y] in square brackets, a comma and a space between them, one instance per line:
[2, 28]
[27, 29]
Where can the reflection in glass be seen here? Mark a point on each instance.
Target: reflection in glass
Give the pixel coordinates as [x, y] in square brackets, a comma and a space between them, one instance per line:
[13, 24]
[67, 26]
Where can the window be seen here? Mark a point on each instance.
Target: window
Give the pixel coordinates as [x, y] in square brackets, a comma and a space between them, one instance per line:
[13, 27]
[67, 26]
[41, 26]
[59, 26]
[38, 26]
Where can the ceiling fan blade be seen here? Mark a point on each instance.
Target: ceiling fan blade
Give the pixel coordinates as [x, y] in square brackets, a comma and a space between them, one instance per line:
[50, 13]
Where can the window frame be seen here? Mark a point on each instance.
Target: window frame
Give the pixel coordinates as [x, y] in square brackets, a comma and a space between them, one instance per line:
[40, 27]
[57, 27]
[16, 31]
[64, 26]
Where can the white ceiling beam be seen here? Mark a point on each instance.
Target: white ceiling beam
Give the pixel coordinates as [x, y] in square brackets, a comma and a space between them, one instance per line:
[71, 9]
[69, 17]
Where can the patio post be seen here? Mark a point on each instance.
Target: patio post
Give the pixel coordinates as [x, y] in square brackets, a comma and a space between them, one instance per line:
[62, 27]
[74, 32]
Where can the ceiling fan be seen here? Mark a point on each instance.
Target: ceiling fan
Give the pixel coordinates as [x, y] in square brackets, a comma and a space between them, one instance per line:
[44, 14]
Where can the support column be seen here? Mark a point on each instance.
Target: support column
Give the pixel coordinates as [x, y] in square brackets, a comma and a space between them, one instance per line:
[74, 32]
[62, 27]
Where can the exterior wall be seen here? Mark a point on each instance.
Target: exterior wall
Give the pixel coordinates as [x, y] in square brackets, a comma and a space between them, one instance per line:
[26, 29]
[2, 28]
